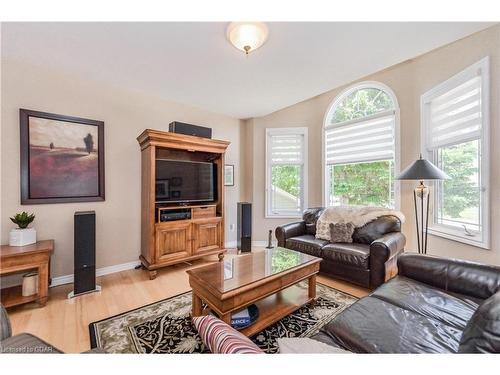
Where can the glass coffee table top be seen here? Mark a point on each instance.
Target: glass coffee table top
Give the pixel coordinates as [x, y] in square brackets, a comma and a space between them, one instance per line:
[235, 272]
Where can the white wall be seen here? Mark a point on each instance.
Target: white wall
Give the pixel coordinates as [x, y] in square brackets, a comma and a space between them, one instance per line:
[125, 114]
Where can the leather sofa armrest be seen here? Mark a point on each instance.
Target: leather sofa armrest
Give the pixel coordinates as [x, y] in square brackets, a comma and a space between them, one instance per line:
[5, 327]
[289, 230]
[387, 246]
[383, 254]
[454, 275]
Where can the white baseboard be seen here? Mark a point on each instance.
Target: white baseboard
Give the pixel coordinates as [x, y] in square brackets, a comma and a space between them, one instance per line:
[61, 280]
[263, 243]
[68, 279]
[233, 244]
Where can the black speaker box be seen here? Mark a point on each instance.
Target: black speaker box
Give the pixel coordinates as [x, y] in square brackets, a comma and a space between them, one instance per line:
[244, 227]
[84, 252]
[189, 129]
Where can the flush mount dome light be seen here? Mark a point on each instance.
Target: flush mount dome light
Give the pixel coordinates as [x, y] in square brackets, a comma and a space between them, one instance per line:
[247, 36]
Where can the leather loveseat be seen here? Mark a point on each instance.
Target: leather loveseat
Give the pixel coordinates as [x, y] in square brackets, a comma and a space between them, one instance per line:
[369, 260]
[434, 305]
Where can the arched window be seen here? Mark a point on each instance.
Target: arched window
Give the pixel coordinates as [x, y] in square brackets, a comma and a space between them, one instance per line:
[360, 147]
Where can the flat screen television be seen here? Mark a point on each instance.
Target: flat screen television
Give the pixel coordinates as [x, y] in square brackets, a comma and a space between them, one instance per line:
[179, 181]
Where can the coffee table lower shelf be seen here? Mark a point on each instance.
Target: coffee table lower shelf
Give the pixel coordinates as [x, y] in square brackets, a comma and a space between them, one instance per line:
[276, 307]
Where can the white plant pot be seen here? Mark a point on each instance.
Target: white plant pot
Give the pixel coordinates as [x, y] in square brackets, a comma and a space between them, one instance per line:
[22, 237]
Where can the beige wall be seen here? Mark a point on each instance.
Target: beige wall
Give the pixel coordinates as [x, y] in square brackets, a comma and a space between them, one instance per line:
[125, 114]
[408, 80]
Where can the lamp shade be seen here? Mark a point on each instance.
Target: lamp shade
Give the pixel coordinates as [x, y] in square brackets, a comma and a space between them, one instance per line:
[422, 169]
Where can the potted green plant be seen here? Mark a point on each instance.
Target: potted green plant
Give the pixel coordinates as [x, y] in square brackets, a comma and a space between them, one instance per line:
[22, 235]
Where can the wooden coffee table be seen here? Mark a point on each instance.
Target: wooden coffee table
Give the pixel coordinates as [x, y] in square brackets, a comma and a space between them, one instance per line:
[267, 278]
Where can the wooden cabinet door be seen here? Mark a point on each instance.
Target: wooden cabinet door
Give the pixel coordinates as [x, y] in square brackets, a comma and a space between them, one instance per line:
[173, 240]
[207, 235]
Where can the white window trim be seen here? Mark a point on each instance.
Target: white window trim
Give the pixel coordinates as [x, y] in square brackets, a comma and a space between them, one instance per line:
[397, 134]
[305, 174]
[445, 231]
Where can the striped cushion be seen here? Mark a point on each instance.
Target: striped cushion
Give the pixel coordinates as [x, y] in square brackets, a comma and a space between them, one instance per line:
[220, 338]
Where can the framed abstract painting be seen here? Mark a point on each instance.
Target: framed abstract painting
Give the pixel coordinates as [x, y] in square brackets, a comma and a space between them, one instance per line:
[62, 158]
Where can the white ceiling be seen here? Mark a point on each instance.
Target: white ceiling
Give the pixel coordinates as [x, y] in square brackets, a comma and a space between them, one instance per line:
[193, 63]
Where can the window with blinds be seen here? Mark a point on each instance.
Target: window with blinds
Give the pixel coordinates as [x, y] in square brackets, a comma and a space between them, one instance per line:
[367, 140]
[286, 164]
[359, 147]
[455, 128]
[455, 116]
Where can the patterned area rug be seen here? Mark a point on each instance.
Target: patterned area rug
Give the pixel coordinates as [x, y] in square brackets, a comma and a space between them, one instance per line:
[165, 326]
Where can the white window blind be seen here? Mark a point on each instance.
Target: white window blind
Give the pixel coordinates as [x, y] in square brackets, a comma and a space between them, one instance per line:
[455, 115]
[359, 141]
[286, 171]
[287, 149]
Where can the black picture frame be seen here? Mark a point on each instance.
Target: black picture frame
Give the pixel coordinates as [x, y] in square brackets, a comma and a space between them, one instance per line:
[26, 197]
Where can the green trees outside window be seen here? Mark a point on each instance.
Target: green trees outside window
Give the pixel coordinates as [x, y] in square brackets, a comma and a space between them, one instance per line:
[461, 193]
[287, 178]
[362, 103]
[368, 183]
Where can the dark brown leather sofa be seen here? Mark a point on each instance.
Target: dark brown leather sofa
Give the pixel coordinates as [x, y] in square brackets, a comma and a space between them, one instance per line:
[434, 305]
[369, 261]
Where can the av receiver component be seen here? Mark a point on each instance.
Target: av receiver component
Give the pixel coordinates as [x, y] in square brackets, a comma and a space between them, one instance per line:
[172, 215]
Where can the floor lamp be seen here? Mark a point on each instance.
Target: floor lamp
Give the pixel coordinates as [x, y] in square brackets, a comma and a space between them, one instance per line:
[422, 170]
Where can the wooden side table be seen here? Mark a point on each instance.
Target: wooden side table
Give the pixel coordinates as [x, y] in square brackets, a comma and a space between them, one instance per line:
[15, 259]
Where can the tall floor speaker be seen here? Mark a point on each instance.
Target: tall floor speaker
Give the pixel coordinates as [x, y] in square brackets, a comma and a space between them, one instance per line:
[244, 231]
[84, 254]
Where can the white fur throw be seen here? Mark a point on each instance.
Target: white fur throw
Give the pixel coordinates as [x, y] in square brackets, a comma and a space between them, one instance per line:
[358, 215]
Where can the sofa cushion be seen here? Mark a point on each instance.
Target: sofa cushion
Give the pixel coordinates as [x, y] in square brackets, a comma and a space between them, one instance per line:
[310, 217]
[450, 309]
[353, 254]
[372, 325]
[221, 338]
[482, 334]
[341, 232]
[307, 244]
[376, 229]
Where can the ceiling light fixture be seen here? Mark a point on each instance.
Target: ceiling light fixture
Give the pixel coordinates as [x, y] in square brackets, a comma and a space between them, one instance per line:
[247, 36]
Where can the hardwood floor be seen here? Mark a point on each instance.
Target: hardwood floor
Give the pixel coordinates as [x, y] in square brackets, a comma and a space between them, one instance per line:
[64, 322]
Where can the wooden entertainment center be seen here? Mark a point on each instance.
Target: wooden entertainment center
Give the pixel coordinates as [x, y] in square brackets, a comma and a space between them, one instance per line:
[164, 243]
